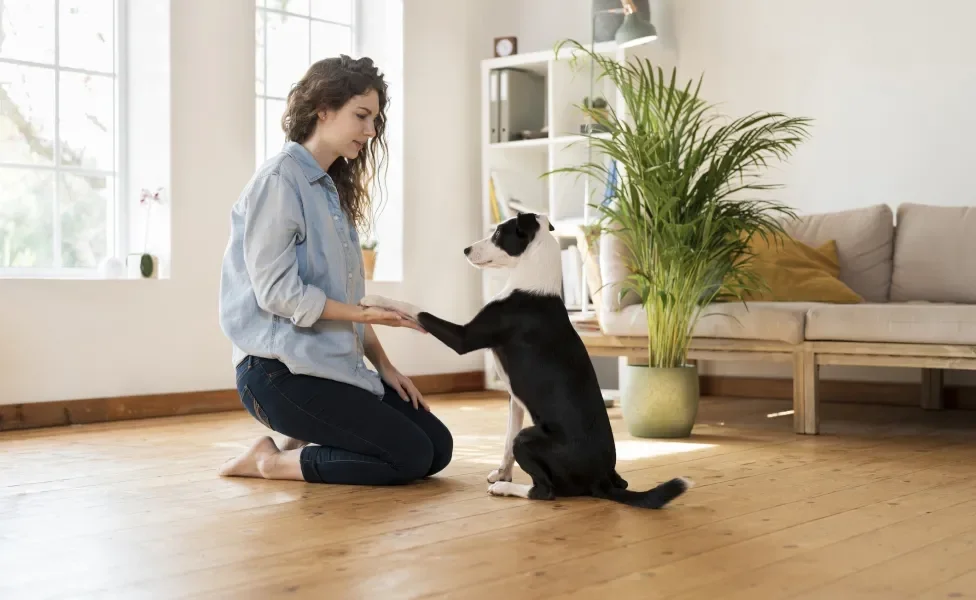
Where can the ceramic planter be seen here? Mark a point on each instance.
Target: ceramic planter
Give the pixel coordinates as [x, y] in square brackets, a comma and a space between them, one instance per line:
[659, 402]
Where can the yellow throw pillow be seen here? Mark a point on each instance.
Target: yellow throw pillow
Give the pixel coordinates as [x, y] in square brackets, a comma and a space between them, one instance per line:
[795, 272]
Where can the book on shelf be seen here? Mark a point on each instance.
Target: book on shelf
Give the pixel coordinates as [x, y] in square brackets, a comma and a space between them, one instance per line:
[502, 205]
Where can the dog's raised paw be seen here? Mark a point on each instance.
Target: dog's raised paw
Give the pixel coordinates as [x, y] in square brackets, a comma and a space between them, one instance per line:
[375, 300]
[499, 475]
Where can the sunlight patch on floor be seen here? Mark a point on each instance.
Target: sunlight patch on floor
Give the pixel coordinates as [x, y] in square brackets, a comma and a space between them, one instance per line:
[641, 449]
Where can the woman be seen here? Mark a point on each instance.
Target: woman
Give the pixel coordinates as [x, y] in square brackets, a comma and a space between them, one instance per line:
[291, 281]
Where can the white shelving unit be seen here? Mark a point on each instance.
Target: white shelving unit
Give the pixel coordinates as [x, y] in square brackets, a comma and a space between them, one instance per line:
[517, 167]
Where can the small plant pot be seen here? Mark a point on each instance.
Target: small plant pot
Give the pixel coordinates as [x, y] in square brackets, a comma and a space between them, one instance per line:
[369, 262]
[142, 266]
[659, 402]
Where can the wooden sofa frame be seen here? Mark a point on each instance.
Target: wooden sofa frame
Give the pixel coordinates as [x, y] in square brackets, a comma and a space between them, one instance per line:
[807, 357]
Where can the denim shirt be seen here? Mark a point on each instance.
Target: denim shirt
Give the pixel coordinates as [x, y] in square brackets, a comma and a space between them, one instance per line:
[291, 250]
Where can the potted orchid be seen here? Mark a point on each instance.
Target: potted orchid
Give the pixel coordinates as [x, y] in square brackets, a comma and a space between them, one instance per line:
[144, 264]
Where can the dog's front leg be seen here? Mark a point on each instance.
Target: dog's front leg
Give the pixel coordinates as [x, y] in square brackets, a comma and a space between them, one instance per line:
[485, 330]
[516, 415]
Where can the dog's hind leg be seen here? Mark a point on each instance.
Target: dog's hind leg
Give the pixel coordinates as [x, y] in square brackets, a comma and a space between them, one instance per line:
[516, 416]
[618, 481]
[531, 448]
[507, 488]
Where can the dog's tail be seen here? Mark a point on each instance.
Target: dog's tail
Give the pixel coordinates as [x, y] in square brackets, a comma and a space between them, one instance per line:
[653, 498]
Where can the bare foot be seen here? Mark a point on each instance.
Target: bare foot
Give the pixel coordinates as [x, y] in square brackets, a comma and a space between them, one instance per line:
[249, 464]
[288, 443]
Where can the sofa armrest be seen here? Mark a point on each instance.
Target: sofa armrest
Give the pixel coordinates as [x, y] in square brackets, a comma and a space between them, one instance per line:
[614, 270]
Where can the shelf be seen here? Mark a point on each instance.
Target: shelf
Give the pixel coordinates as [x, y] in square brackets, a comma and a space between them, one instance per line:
[520, 167]
[520, 144]
[541, 58]
[567, 227]
[562, 140]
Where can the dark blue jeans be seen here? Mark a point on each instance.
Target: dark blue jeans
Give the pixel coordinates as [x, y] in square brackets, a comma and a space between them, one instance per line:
[358, 438]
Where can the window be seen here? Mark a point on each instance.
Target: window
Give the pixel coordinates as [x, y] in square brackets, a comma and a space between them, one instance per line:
[60, 212]
[291, 35]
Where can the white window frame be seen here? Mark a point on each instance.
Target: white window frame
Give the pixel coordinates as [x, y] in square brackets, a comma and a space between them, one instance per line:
[265, 97]
[117, 218]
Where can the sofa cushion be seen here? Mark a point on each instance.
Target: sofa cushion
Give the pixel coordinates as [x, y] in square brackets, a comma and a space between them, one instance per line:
[934, 246]
[909, 323]
[767, 321]
[795, 272]
[865, 238]
[614, 258]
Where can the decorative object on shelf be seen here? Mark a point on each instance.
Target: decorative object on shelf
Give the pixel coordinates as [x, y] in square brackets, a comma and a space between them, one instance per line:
[506, 46]
[601, 106]
[610, 16]
[369, 257]
[679, 213]
[145, 265]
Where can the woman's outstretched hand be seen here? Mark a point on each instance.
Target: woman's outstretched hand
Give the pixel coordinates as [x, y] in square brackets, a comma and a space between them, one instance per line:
[391, 318]
[402, 384]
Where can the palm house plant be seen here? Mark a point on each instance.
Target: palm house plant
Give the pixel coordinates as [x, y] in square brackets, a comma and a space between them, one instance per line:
[684, 207]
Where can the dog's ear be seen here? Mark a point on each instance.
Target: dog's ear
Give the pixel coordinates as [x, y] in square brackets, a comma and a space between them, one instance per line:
[525, 224]
[551, 228]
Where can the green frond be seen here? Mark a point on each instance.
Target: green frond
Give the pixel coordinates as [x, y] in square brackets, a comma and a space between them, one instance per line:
[684, 208]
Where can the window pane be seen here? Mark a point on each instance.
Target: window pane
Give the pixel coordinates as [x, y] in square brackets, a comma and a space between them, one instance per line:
[26, 218]
[330, 40]
[259, 52]
[299, 7]
[338, 11]
[276, 136]
[86, 31]
[27, 30]
[26, 114]
[259, 131]
[85, 203]
[87, 124]
[287, 52]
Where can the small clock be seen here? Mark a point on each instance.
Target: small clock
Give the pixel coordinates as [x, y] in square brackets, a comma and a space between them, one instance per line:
[506, 46]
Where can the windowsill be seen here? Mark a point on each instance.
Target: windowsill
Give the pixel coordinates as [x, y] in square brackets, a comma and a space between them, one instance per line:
[62, 277]
[118, 273]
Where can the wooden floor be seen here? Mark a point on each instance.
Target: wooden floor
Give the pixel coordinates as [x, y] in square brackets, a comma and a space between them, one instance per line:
[882, 505]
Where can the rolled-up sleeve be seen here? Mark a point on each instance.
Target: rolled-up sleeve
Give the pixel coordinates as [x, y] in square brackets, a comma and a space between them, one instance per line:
[273, 226]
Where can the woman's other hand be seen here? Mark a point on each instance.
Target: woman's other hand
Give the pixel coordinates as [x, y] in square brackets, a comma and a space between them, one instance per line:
[402, 384]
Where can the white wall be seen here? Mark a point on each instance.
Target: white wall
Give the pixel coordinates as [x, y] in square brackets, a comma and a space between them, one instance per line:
[62, 340]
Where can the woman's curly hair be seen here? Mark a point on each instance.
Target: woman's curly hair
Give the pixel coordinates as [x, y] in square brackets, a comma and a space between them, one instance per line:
[329, 84]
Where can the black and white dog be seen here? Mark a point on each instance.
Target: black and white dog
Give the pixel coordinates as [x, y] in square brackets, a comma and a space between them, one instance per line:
[569, 450]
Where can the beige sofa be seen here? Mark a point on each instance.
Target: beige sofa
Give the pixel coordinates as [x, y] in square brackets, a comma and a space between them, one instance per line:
[919, 308]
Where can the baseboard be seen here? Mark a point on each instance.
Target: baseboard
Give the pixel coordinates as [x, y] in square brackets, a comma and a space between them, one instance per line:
[833, 391]
[100, 410]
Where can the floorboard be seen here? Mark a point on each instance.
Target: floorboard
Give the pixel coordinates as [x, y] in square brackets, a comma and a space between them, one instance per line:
[881, 505]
